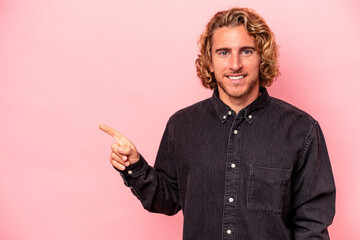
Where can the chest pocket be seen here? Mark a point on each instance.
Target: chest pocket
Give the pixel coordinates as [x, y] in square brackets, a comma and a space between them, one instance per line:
[267, 189]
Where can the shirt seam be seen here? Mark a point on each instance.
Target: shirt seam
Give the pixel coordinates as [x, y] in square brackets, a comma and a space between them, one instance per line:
[307, 143]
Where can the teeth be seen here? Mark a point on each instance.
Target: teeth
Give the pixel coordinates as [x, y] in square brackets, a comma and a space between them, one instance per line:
[236, 77]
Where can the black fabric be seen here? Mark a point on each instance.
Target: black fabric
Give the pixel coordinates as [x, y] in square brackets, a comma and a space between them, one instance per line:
[263, 173]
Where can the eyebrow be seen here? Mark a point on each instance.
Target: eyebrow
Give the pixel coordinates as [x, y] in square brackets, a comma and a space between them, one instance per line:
[229, 49]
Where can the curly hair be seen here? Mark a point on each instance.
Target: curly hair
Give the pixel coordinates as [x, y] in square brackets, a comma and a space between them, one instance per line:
[256, 27]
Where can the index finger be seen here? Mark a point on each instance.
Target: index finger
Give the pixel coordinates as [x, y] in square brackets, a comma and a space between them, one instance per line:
[112, 132]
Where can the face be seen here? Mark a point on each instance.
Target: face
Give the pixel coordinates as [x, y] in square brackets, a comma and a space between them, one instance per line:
[235, 64]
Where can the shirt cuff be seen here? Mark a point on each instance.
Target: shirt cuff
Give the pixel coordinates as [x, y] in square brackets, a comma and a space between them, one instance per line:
[134, 170]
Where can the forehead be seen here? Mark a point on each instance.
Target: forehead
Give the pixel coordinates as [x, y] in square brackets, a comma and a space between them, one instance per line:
[232, 37]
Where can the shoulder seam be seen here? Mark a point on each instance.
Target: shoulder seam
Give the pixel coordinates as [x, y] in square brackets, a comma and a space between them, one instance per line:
[307, 143]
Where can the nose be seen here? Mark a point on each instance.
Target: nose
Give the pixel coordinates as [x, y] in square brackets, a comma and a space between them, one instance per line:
[235, 63]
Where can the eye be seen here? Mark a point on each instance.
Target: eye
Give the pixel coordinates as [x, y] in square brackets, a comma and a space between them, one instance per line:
[223, 53]
[247, 52]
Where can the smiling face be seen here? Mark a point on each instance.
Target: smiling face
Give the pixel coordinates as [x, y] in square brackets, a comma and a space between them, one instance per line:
[235, 64]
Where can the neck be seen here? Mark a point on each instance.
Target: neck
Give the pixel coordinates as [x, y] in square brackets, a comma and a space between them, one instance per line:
[240, 102]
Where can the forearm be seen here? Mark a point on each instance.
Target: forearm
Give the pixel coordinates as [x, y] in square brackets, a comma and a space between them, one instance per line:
[157, 192]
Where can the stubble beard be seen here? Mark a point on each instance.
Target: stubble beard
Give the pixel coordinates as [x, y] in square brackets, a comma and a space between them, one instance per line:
[237, 93]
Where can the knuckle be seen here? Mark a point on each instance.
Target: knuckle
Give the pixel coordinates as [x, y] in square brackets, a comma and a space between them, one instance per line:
[114, 163]
[114, 146]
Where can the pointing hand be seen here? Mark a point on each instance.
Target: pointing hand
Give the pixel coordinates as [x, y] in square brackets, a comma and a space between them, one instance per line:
[123, 152]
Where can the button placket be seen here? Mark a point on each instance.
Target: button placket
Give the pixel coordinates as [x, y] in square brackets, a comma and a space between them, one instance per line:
[231, 184]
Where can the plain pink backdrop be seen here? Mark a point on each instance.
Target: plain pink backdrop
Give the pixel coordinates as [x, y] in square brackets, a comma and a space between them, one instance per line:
[66, 66]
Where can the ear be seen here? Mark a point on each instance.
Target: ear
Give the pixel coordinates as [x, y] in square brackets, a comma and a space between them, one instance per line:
[211, 67]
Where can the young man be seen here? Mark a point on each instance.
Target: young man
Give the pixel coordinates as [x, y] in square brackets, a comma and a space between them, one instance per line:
[241, 164]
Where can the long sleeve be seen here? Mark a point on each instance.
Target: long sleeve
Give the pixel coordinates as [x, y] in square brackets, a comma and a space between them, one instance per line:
[313, 191]
[156, 187]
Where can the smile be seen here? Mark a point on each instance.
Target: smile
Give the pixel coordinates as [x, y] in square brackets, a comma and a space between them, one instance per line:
[237, 77]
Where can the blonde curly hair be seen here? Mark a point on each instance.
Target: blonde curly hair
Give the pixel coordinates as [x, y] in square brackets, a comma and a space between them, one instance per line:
[256, 27]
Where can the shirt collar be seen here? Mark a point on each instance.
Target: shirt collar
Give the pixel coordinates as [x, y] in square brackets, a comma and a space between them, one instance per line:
[251, 112]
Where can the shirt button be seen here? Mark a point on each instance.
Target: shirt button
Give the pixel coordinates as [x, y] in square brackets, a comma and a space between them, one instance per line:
[231, 199]
[235, 131]
[229, 112]
[250, 116]
[224, 117]
[228, 231]
[233, 165]
[129, 172]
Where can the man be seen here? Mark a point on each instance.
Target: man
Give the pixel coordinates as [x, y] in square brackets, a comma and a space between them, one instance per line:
[241, 164]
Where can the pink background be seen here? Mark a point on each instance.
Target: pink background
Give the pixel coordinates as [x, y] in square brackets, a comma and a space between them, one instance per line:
[66, 66]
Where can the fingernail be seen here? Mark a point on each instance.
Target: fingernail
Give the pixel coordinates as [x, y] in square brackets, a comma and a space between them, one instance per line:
[127, 164]
[124, 158]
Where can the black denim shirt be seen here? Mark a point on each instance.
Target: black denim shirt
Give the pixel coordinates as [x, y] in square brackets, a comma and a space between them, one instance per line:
[263, 173]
